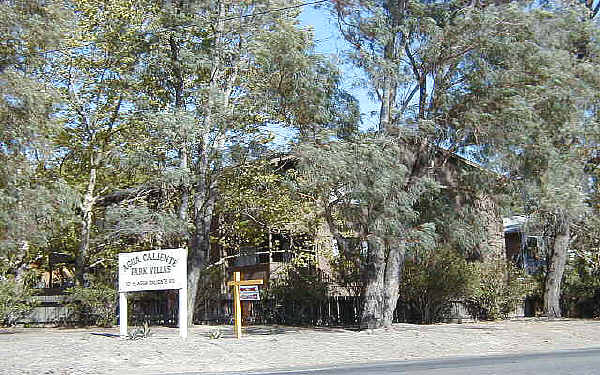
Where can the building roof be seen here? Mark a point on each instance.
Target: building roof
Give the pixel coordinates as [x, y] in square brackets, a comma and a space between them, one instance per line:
[513, 223]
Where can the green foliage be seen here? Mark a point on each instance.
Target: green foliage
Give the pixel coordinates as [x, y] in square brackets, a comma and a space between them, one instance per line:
[34, 204]
[347, 270]
[461, 223]
[95, 304]
[581, 291]
[432, 280]
[498, 289]
[215, 334]
[140, 333]
[157, 103]
[369, 198]
[581, 282]
[257, 199]
[299, 282]
[295, 289]
[30, 26]
[17, 301]
[137, 225]
[363, 182]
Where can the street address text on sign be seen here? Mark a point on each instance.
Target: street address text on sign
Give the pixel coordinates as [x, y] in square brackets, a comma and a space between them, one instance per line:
[152, 270]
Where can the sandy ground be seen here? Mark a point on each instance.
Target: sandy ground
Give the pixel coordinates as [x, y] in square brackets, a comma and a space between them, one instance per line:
[101, 351]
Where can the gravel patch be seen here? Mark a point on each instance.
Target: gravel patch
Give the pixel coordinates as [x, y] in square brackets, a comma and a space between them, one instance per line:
[101, 351]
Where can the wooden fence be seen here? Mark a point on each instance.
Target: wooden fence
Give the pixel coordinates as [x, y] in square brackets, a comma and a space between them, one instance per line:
[333, 311]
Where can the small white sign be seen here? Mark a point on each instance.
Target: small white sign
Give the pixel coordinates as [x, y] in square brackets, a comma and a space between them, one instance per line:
[153, 270]
[249, 288]
[249, 293]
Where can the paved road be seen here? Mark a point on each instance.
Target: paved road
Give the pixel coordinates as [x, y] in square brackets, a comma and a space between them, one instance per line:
[572, 362]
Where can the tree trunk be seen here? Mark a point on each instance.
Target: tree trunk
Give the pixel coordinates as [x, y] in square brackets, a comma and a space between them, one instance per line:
[374, 277]
[86, 222]
[393, 272]
[21, 269]
[205, 187]
[341, 242]
[422, 95]
[556, 268]
[388, 91]
[178, 90]
[185, 193]
[492, 247]
[199, 251]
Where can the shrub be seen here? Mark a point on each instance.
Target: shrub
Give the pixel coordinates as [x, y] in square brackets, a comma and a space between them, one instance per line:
[95, 304]
[17, 300]
[581, 291]
[295, 294]
[215, 334]
[431, 281]
[138, 333]
[499, 289]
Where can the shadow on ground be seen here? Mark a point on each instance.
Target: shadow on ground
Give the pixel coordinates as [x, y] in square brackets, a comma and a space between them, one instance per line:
[8, 332]
[112, 335]
[264, 330]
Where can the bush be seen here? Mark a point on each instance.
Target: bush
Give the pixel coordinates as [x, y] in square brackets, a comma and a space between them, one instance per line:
[499, 289]
[431, 281]
[294, 296]
[581, 280]
[17, 300]
[95, 304]
[581, 291]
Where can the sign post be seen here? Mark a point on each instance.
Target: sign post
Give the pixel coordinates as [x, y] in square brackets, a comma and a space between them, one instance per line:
[153, 270]
[183, 310]
[238, 296]
[123, 314]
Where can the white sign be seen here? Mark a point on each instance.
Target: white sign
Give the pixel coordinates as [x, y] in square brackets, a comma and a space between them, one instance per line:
[153, 270]
[249, 293]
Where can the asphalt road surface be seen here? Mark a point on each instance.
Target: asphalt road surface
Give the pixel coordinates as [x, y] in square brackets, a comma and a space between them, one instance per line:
[572, 362]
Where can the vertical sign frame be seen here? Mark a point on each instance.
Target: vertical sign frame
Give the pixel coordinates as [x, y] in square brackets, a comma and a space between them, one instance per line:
[163, 269]
[236, 283]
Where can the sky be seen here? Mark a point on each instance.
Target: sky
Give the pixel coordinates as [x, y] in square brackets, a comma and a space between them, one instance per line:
[329, 41]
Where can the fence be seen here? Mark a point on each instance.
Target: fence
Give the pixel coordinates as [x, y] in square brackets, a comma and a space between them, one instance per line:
[332, 311]
[156, 311]
[50, 309]
[148, 307]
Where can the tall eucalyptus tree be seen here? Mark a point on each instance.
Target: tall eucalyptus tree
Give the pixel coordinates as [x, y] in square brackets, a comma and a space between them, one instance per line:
[495, 81]
[371, 214]
[94, 75]
[33, 203]
[215, 76]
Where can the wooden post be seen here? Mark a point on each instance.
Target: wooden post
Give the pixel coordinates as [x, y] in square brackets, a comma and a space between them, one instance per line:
[123, 314]
[236, 283]
[183, 301]
[238, 305]
[183, 313]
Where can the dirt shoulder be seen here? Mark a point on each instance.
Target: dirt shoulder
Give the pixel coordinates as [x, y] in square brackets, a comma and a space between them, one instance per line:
[101, 351]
